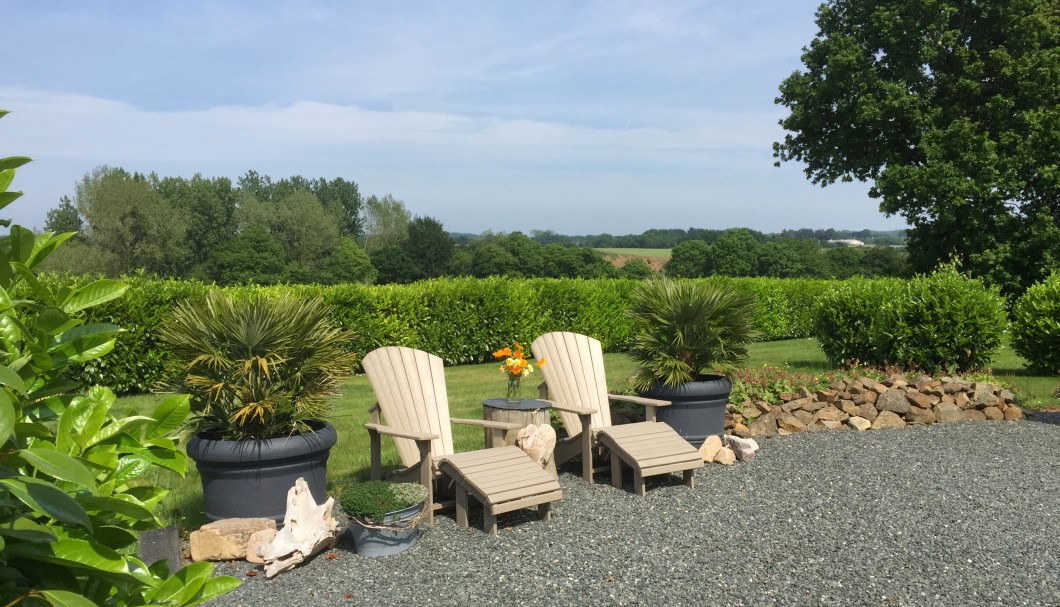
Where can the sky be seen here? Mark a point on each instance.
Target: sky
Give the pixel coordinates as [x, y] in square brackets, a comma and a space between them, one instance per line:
[577, 117]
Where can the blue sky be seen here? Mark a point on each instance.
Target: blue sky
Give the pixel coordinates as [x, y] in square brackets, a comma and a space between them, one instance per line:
[577, 117]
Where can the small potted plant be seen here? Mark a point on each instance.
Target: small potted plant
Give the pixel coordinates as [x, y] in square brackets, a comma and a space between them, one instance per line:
[259, 372]
[687, 334]
[383, 516]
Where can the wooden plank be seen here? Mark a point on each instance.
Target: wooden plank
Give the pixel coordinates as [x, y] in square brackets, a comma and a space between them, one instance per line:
[506, 496]
[678, 467]
[526, 502]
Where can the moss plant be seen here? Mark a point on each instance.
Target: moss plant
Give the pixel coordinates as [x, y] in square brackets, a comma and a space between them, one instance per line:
[372, 500]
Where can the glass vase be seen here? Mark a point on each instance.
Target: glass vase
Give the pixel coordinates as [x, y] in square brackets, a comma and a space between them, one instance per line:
[515, 389]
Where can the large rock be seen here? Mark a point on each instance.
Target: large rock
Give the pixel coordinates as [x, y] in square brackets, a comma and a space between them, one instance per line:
[868, 411]
[744, 448]
[847, 406]
[974, 415]
[1013, 413]
[993, 413]
[725, 456]
[710, 448]
[887, 419]
[917, 415]
[893, 400]
[226, 539]
[983, 394]
[947, 413]
[254, 544]
[765, 425]
[789, 423]
[924, 401]
[961, 400]
[859, 423]
[830, 414]
[308, 528]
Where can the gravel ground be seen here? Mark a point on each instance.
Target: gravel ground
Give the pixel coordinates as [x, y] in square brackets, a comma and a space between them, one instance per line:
[961, 514]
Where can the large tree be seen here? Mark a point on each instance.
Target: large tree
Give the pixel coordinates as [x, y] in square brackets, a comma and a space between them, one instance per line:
[949, 108]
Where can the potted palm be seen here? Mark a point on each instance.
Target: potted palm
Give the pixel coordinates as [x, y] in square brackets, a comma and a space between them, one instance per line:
[383, 516]
[258, 371]
[686, 335]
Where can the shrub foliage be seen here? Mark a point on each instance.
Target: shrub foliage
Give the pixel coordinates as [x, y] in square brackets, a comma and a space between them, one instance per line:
[1036, 325]
[937, 322]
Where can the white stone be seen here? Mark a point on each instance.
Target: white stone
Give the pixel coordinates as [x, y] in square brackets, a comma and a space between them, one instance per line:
[744, 448]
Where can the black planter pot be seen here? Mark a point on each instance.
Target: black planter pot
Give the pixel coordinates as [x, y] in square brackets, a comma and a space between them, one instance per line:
[698, 408]
[250, 479]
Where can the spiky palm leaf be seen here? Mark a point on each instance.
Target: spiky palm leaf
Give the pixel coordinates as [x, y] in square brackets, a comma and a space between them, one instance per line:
[257, 367]
[686, 329]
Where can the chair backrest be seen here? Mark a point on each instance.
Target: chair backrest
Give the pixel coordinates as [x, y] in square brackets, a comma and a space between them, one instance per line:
[409, 386]
[574, 372]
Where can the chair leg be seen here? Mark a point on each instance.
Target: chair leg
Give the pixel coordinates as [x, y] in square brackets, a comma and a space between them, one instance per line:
[690, 478]
[427, 475]
[638, 482]
[616, 471]
[489, 520]
[544, 511]
[461, 505]
[377, 459]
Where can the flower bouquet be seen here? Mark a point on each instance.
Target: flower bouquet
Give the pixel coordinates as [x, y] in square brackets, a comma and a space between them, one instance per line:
[515, 366]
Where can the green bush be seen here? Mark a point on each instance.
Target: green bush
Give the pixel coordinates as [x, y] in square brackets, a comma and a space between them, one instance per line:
[942, 321]
[845, 322]
[1036, 325]
[75, 478]
[460, 319]
[937, 322]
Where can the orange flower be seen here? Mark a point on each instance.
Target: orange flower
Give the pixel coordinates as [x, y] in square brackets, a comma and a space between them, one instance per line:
[540, 363]
[502, 353]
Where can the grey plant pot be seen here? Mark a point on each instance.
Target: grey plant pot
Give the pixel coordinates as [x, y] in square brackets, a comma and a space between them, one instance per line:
[250, 479]
[698, 408]
[369, 541]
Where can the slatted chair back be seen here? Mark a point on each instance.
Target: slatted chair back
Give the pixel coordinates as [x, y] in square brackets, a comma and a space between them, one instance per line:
[409, 386]
[574, 372]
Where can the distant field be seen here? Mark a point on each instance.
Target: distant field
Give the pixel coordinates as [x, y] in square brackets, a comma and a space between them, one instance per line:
[654, 253]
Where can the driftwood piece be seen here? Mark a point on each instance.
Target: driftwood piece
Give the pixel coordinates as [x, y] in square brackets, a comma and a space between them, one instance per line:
[538, 441]
[308, 528]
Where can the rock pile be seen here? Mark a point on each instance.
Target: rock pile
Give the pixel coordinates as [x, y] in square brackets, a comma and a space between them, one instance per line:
[864, 404]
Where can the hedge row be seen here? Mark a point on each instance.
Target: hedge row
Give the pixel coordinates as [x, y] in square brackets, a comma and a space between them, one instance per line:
[462, 320]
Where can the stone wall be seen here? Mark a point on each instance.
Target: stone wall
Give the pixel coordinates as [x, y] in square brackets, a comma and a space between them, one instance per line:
[864, 404]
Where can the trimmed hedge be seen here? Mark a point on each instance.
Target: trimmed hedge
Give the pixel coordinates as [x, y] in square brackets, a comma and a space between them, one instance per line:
[942, 321]
[1036, 325]
[462, 320]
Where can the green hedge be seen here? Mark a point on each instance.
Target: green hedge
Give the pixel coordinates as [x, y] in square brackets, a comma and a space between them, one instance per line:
[462, 320]
[1036, 325]
[937, 322]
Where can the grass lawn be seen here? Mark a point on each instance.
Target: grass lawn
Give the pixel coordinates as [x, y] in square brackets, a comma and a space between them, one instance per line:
[469, 384]
[660, 253]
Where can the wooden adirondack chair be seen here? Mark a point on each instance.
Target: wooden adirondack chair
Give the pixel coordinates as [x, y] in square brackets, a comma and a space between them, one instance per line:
[577, 387]
[409, 386]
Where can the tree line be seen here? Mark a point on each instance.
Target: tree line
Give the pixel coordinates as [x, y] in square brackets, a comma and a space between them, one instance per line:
[670, 238]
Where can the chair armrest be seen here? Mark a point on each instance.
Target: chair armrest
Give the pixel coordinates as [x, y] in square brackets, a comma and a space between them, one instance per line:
[639, 400]
[485, 423]
[387, 430]
[574, 410]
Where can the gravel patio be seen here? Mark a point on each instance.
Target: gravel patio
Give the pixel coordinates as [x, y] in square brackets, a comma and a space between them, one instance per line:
[960, 514]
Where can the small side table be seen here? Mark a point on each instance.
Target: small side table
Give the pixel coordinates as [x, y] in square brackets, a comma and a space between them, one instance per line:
[523, 412]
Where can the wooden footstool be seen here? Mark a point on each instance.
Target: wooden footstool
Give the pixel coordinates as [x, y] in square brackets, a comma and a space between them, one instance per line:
[650, 448]
[503, 479]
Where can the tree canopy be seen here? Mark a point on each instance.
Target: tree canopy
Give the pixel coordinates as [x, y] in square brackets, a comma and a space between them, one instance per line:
[949, 108]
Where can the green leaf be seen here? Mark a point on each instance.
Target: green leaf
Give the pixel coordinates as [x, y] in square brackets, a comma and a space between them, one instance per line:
[115, 505]
[6, 177]
[11, 379]
[125, 424]
[62, 598]
[27, 530]
[44, 498]
[169, 414]
[60, 466]
[53, 321]
[93, 294]
[129, 468]
[167, 458]
[13, 162]
[77, 553]
[7, 416]
[81, 421]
